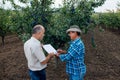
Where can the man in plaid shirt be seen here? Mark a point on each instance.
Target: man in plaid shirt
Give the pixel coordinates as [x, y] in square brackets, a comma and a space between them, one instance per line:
[74, 57]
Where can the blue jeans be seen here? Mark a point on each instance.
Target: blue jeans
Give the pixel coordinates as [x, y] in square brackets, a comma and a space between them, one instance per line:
[38, 75]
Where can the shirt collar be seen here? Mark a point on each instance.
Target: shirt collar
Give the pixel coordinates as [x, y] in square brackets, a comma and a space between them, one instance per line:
[33, 38]
[74, 41]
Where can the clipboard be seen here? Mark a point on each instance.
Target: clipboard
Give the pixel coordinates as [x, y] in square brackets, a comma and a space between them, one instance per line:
[49, 48]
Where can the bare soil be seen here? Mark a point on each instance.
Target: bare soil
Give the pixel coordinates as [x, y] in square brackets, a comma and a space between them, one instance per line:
[103, 62]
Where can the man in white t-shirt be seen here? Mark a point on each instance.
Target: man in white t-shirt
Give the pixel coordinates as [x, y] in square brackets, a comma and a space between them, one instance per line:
[36, 59]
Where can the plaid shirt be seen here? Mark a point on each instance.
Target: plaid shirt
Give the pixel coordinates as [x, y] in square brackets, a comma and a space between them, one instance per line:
[75, 58]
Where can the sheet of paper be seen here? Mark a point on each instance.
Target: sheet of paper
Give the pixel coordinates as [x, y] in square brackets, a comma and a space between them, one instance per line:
[49, 48]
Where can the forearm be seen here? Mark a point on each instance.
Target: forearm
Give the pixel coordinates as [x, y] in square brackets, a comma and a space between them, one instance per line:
[46, 60]
[65, 57]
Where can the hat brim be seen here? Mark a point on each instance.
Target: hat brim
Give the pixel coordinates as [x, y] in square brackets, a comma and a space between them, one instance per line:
[73, 29]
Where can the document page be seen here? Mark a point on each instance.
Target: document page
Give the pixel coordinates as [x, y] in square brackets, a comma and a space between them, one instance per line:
[49, 48]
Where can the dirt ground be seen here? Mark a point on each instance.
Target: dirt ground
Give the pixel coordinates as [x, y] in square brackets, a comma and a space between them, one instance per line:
[103, 62]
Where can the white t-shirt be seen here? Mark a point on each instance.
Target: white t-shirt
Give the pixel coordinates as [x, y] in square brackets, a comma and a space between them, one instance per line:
[34, 54]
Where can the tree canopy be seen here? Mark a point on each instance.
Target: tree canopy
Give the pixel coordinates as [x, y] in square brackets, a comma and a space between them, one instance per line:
[55, 20]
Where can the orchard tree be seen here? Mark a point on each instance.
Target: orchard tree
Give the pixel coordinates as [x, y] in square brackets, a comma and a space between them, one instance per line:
[73, 12]
[4, 23]
[25, 18]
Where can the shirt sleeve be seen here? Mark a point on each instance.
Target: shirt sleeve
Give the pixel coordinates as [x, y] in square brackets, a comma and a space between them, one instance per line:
[72, 52]
[38, 52]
